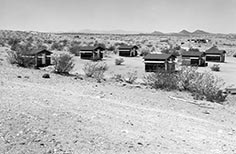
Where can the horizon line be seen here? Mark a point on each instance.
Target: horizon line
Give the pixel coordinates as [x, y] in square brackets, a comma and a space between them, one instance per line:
[92, 31]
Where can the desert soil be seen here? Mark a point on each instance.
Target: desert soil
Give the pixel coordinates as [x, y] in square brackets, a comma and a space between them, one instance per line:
[66, 115]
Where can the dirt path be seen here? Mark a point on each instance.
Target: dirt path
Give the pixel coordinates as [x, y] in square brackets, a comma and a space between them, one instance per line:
[64, 115]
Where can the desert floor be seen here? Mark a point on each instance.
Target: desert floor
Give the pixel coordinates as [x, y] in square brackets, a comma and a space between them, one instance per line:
[73, 116]
[131, 64]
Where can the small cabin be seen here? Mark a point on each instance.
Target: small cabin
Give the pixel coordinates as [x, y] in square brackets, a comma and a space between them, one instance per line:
[91, 52]
[193, 58]
[39, 58]
[215, 55]
[128, 51]
[159, 62]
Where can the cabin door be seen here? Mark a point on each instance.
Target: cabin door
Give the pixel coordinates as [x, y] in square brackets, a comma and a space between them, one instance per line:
[195, 62]
[43, 58]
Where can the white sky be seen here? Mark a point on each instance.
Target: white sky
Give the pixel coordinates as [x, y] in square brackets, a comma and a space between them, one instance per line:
[131, 15]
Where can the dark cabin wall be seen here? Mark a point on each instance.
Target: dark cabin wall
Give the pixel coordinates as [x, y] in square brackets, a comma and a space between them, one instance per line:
[40, 60]
[127, 53]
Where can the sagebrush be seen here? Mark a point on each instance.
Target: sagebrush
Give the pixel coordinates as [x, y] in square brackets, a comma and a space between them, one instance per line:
[162, 80]
[15, 57]
[202, 85]
[215, 67]
[119, 61]
[63, 63]
[131, 77]
[95, 70]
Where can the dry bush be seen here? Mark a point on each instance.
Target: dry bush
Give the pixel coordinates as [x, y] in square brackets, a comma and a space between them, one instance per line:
[95, 70]
[162, 80]
[118, 78]
[16, 57]
[204, 84]
[21, 53]
[75, 49]
[185, 76]
[119, 61]
[144, 51]
[215, 67]
[208, 85]
[131, 77]
[63, 63]
[201, 85]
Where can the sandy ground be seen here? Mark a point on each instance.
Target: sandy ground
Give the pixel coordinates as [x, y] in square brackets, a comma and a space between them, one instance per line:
[227, 70]
[72, 116]
[131, 64]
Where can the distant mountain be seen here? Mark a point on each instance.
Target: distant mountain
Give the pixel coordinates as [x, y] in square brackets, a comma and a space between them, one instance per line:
[157, 33]
[200, 32]
[185, 32]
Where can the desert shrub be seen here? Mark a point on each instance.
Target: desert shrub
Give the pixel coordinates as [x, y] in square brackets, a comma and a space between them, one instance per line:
[18, 55]
[119, 61]
[95, 70]
[63, 63]
[203, 84]
[118, 78]
[13, 41]
[209, 86]
[15, 57]
[194, 49]
[131, 77]
[185, 76]
[57, 46]
[215, 67]
[170, 51]
[144, 51]
[162, 80]
[111, 48]
[75, 49]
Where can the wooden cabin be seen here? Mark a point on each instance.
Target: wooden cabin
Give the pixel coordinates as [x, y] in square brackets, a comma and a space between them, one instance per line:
[193, 58]
[159, 62]
[128, 51]
[39, 58]
[91, 52]
[215, 55]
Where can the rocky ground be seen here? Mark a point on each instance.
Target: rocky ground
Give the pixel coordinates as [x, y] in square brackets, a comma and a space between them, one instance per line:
[68, 115]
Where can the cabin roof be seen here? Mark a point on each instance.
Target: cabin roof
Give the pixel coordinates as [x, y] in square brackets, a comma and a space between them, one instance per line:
[35, 52]
[128, 47]
[158, 56]
[90, 48]
[215, 50]
[192, 54]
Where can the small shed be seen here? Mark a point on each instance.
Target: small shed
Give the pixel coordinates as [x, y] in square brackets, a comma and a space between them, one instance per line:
[215, 55]
[39, 58]
[157, 62]
[193, 58]
[91, 52]
[128, 51]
